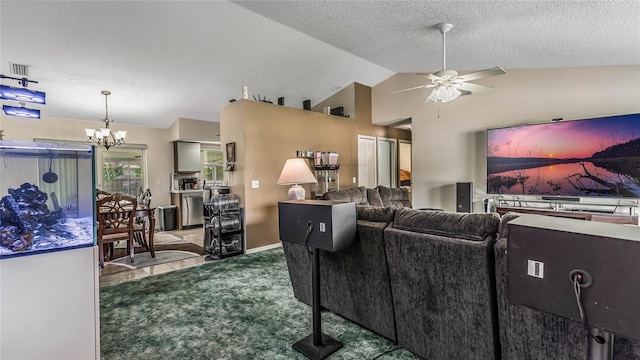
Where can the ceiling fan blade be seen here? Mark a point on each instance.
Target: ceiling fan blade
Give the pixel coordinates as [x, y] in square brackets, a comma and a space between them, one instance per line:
[483, 73]
[474, 88]
[413, 88]
[429, 76]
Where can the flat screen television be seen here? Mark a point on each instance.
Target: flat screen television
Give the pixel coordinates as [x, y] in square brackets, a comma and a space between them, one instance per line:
[580, 158]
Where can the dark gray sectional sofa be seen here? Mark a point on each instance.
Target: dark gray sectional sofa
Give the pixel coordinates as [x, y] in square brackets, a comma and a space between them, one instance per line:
[442, 283]
[435, 283]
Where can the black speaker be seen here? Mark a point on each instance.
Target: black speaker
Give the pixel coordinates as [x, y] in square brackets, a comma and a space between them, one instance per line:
[338, 111]
[321, 225]
[306, 105]
[464, 196]
[330, 225]
[281, 101]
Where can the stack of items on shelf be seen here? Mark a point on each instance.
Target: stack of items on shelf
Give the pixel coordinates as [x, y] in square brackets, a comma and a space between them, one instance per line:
[326, 167]
[325, 164]
[223, 231]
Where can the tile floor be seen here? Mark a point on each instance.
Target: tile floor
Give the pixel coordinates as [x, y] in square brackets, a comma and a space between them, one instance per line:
[194, 235]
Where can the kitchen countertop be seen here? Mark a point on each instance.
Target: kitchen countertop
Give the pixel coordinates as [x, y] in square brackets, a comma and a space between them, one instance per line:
[192, 191]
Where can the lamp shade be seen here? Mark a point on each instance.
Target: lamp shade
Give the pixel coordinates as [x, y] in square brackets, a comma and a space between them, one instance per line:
[296, 171]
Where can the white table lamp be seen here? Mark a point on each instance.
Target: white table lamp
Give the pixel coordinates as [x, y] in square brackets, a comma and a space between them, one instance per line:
[296, 172]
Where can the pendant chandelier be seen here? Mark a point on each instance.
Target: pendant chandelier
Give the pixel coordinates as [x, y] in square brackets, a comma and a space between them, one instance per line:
[104, 136]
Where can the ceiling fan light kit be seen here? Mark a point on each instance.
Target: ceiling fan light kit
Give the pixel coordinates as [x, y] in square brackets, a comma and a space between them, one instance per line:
[444, 94]
[447, 84]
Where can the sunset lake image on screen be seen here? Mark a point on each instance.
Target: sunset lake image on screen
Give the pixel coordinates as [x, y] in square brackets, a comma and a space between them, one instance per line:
[592, 157]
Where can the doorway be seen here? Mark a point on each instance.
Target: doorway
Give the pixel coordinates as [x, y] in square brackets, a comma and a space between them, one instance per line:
[367, 161]
[387, 163]
[404, 159]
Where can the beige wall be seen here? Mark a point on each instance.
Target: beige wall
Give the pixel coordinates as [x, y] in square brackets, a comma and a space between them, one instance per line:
[345, 97]
[266, 135]
[159, 153]
[195, 130]
[450, 139]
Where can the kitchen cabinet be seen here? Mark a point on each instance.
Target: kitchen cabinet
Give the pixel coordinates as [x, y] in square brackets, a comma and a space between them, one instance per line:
[186, 156]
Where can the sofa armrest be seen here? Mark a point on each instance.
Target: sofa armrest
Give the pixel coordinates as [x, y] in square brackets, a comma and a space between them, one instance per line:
[357, 195]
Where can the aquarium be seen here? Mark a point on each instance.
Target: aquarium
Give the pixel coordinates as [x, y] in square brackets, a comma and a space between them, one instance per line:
[46, 197]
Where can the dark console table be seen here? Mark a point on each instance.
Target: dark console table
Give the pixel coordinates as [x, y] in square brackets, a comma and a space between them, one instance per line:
[583, 215]
[579, 270]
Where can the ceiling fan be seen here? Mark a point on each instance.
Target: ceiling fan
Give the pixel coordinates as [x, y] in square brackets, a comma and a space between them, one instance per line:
[447, 84]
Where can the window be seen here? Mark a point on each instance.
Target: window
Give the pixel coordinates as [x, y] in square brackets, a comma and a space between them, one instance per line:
[212, 165]
[121, 170]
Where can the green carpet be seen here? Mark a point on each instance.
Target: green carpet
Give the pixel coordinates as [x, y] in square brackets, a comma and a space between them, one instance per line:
[237, 308]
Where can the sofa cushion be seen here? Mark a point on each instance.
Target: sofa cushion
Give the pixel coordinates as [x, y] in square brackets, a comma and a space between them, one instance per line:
[357, 195]
[373, 196]
[375, 214]
[395, 197]
[475, 226]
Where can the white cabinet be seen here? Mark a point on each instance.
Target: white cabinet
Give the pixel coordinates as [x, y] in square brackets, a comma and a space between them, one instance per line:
[187, 157]
[49, 306]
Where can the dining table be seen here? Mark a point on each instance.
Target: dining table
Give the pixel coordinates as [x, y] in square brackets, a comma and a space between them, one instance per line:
[146, 216]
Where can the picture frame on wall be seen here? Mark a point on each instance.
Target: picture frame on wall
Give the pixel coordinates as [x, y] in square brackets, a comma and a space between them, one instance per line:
[231, 156]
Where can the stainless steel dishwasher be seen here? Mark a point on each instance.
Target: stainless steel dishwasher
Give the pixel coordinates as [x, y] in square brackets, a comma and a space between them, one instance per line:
[192, 209]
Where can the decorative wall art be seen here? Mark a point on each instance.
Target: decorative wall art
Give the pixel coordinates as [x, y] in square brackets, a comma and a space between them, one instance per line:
[231, 156]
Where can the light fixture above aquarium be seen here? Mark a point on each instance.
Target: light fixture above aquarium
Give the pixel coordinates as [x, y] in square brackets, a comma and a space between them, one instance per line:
[21, 111]
[46, 197]
[596, 157]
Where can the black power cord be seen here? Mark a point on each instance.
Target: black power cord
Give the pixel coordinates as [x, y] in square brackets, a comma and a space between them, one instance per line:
[386, 352]
[306, 239]
[577, 285]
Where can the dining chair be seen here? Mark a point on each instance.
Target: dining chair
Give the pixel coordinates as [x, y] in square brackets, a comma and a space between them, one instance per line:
[142, 218]
[144, 198]
[101, 193]
[116, 214]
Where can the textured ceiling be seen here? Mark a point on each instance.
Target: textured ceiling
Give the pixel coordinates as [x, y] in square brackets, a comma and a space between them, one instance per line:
[167, 59]
[402, 36]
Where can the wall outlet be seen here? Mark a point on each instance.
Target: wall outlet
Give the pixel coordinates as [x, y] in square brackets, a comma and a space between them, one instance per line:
[535, 268]
[255, 184]
[354, 179]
